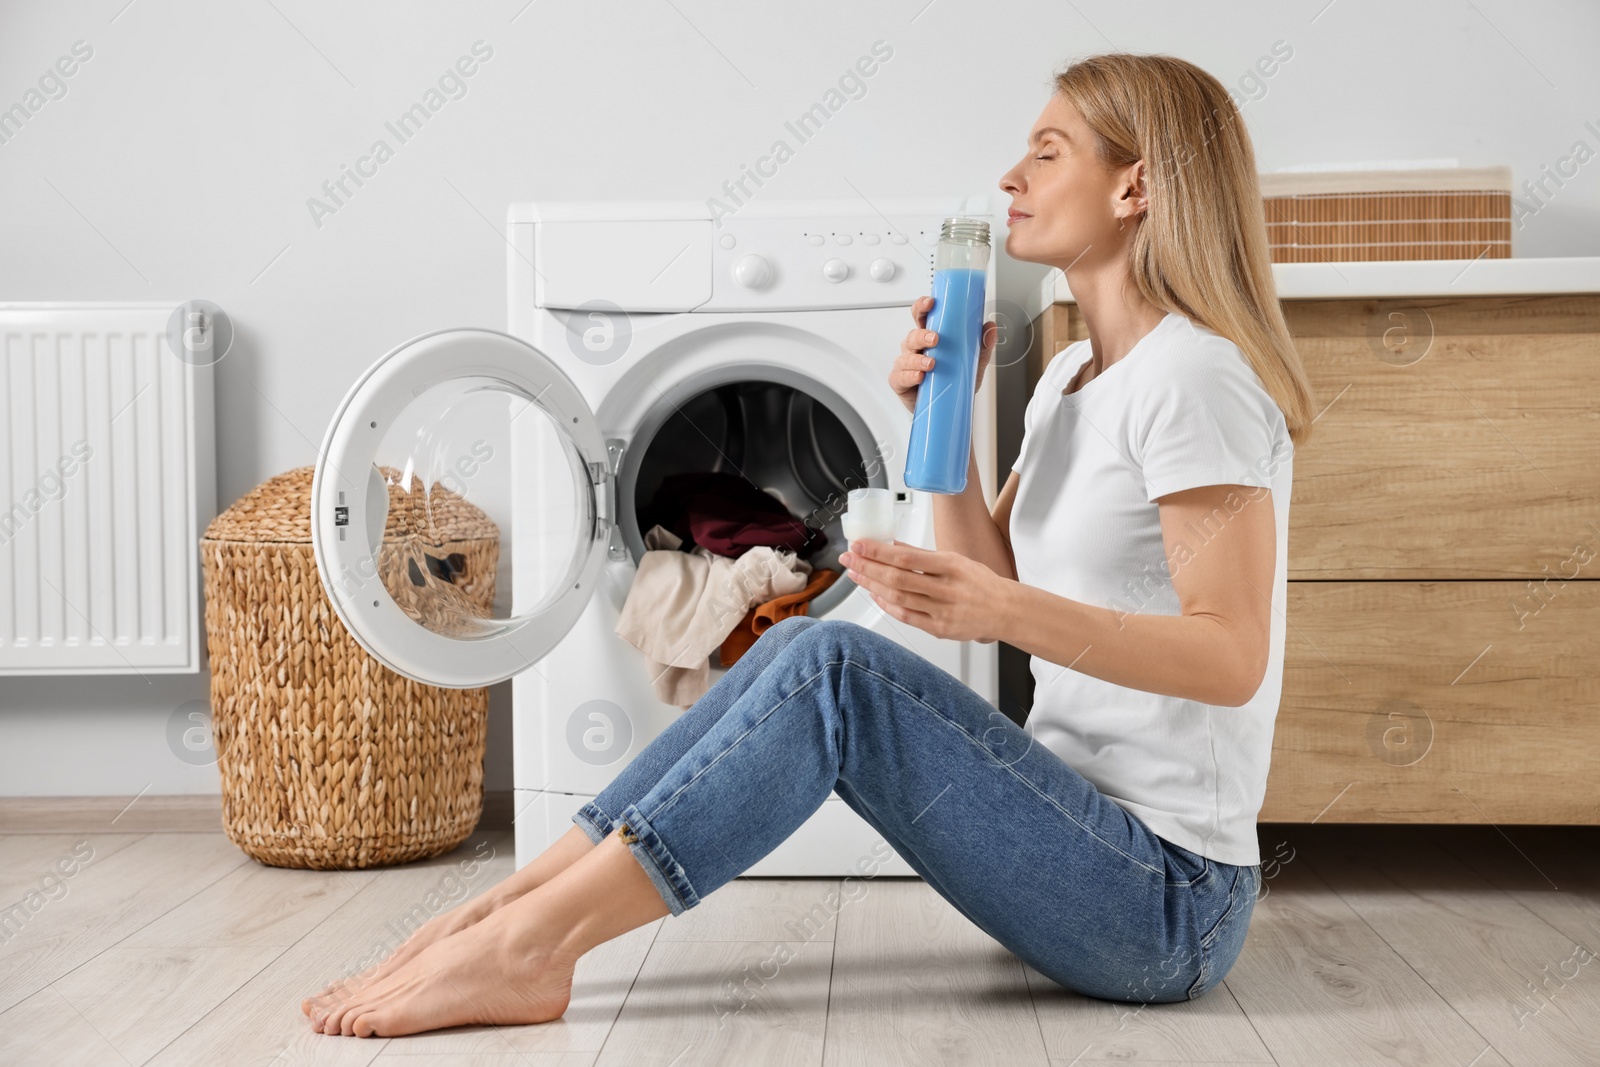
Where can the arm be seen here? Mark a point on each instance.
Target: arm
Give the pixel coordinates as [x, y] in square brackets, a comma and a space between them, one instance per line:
[1215, 651]
[962, 523]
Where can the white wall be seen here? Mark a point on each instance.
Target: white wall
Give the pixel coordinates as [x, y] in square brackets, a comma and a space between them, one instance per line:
[180, 159]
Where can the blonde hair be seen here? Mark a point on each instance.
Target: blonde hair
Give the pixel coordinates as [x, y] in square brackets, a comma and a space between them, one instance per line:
[1201, 248]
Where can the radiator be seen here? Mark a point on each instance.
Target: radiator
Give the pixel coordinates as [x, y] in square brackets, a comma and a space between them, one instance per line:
[107, 482]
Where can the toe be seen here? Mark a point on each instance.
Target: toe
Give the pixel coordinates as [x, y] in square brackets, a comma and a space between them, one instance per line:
[330, 1021]
[366, 1025]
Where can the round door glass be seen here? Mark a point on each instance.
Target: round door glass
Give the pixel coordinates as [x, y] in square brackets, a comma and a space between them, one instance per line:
[456, 516]
[461, 554]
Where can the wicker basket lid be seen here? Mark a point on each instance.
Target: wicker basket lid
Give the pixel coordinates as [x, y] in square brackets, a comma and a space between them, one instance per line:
[279, 509]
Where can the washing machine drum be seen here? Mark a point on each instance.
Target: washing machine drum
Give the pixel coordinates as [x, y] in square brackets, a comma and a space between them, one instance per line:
[412, 509]
[772, 435]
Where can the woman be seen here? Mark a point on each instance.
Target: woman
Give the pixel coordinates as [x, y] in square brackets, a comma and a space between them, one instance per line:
[1136, 552]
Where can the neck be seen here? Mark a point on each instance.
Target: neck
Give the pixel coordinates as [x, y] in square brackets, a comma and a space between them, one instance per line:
[1115, 314]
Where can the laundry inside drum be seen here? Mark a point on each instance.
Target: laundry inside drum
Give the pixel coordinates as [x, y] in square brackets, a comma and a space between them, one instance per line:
[772, 436]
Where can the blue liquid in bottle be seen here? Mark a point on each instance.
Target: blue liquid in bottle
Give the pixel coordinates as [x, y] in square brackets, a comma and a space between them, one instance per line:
[941, 426]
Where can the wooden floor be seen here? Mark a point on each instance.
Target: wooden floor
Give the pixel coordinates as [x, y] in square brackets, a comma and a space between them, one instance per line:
[1372, 945]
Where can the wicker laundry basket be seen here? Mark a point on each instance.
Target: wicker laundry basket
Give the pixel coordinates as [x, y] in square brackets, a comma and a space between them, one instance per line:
[329, 759]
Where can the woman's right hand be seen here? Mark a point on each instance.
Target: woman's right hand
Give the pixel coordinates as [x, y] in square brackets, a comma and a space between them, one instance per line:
[913, 361]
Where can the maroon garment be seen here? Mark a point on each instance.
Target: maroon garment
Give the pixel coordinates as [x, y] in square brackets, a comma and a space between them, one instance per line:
[726, 514]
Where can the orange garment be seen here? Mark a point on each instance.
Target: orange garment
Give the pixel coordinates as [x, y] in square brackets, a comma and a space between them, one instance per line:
[763, 615]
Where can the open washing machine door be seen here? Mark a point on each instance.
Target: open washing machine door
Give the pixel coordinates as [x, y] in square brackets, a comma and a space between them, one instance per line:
[411, 507]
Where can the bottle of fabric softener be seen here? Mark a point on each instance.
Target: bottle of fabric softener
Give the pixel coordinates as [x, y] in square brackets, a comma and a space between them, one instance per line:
[941, 426]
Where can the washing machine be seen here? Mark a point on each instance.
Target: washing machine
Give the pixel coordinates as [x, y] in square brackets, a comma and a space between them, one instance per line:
[481, 497]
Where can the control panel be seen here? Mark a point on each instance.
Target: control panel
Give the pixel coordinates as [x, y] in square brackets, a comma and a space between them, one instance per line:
[777, 264]
[669, 258]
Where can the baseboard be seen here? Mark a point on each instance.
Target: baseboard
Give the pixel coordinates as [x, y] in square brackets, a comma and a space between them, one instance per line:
[142, 814]
[147, 814]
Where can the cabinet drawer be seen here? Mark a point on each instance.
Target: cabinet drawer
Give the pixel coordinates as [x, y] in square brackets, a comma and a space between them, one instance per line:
[1451, 702]
[1457, 438]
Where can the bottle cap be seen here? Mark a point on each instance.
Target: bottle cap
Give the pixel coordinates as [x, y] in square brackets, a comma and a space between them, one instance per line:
[965, 230]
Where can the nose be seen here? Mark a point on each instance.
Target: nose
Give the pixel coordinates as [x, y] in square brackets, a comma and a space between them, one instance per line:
[1011, 182]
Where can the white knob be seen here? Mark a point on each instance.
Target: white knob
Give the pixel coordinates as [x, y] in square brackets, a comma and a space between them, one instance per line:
[752, 272]
[882, 270]
[836, 270]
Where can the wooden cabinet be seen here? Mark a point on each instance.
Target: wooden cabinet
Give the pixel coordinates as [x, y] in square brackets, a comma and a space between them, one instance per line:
[1442, 657]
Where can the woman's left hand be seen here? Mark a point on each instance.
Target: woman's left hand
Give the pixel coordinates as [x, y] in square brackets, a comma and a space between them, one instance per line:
[944, 593]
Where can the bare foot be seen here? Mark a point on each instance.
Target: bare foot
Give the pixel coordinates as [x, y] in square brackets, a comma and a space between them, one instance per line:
[567, 850]
[436, 929]
[477, 976]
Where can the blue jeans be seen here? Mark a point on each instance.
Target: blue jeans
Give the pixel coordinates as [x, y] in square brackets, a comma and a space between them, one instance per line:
[1001, 827]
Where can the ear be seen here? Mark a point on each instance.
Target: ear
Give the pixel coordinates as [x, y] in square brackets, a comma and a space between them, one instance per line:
[1135, 196]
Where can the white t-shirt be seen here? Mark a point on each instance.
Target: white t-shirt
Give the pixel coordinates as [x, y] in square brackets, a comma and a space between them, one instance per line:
[1183, 408]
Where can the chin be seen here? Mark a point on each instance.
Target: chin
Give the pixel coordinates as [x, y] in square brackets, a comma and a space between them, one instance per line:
[1021, 250]
[1029, 248]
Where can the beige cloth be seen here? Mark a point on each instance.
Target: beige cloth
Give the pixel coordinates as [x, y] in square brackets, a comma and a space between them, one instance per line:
[683, 604]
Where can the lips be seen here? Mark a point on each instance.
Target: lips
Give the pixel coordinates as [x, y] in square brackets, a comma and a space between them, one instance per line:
[1014, 216]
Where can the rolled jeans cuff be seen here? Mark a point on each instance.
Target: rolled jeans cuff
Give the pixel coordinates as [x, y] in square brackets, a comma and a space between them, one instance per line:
[593, 822]
[657, 860]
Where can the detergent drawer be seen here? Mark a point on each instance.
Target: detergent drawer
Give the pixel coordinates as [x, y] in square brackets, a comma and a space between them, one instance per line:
[651, 265]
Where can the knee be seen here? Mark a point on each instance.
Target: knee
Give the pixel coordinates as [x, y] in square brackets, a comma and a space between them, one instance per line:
[819, 633]
[786, 630]
[806, 643]
[791, 626]
[780, 635]
[827, 646]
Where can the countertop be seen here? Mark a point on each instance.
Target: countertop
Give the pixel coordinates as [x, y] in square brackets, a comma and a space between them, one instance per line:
[1420, 277]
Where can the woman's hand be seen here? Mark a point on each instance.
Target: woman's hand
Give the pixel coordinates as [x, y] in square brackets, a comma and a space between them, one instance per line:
[943, 593]
[913, 361]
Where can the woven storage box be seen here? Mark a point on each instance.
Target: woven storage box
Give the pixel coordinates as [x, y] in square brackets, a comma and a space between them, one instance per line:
[329, 759]
[1423, 213]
